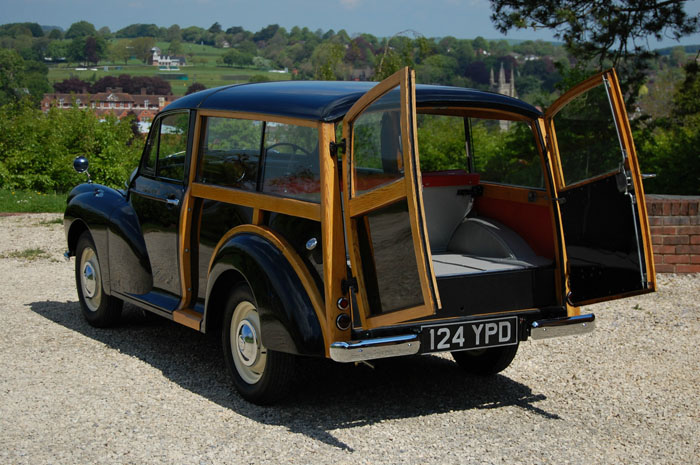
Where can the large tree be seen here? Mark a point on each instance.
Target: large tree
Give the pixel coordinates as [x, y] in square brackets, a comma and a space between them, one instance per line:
[607, 31]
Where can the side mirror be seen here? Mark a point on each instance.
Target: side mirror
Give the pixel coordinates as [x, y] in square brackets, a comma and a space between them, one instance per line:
[80, 165]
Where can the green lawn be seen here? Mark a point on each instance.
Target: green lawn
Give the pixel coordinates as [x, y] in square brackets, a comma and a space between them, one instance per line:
[203, 68]
[12, 201]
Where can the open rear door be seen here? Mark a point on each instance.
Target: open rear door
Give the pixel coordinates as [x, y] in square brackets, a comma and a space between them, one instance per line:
[384, 219]
[601, 199]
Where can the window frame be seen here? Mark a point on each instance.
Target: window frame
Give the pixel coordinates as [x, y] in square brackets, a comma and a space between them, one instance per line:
[152, 173]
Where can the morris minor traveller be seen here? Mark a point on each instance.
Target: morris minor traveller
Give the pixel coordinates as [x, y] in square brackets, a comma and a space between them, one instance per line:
[358, 221]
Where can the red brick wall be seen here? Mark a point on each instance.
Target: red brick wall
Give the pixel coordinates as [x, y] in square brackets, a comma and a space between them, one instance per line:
[675, 232]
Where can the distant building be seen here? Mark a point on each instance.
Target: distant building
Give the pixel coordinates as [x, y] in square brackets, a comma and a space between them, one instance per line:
[116, 102]
[166, 61]
[503, 87]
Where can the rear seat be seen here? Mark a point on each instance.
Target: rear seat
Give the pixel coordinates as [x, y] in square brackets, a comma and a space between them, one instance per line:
[447, 202]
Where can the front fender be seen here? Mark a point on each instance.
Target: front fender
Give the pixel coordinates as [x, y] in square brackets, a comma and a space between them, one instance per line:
[114, 228]
[89, 207]
[287, 316]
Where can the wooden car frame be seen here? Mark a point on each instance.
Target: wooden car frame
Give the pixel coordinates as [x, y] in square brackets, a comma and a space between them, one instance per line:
[251, 215]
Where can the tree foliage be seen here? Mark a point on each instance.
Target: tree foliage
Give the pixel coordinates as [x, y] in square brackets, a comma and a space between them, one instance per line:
[37, 149]
[613, 30]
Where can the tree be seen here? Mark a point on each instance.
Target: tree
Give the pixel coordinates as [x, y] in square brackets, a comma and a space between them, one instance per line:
[141, 48]
[215, 28]
[173, 33]
[120, 51]
[71, 85]
[175, 47]
[234, 57]
[11, 76]
[614, 30]
[196, 87]
[80, 29]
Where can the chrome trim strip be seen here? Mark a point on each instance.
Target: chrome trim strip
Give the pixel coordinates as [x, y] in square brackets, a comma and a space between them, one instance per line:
[557, 327]
[369, 349]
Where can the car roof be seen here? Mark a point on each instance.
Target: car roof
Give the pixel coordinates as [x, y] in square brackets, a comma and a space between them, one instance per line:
[330, 100]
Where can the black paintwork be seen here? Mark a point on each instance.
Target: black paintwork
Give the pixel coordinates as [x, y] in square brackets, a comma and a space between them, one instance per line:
[603, 250]
[330, 100]
[289, 323]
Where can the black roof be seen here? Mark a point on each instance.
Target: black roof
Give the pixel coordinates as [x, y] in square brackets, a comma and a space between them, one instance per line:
[330, 100]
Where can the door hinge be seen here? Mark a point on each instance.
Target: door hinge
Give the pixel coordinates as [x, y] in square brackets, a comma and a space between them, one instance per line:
[336, 147]
[348, 283]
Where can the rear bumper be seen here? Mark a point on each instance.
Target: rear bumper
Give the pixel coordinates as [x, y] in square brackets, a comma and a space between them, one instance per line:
[369, 349]
[557, 327]
[410, 344]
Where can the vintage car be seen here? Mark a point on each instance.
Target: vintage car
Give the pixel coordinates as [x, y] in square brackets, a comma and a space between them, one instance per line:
[358, 220]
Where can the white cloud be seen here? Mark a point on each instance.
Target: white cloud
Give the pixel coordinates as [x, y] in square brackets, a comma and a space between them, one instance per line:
[350, 4]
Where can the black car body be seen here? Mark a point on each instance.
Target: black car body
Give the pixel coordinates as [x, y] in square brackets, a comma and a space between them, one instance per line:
[251, 215]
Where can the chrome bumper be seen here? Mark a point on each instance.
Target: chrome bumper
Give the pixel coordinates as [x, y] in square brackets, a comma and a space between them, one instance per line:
[369, 349]
[557, 327]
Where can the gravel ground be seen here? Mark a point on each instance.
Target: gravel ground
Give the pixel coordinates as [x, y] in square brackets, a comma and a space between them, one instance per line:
[151, 391]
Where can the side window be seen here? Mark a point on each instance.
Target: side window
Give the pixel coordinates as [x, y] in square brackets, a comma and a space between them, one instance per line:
[441, 142]
[587, 137]
[291, 166]
[505, 152]
[230, 152]
[167, 147]
[377, 146]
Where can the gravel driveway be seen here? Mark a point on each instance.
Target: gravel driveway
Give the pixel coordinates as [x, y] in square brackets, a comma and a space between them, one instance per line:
[151, 391]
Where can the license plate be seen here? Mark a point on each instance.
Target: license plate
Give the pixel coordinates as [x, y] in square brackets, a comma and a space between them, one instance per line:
[469, 335]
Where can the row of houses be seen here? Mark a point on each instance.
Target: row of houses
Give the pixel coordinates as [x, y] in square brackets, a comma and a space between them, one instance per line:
[113, 101]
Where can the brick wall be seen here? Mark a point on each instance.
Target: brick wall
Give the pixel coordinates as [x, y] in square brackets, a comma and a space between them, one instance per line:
[675, 232]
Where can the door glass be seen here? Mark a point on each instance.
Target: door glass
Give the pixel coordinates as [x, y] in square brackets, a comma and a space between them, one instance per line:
[230, 150]
[587, 137]
[377, 147]
[292, 168]
[392, 282]
[172, 147]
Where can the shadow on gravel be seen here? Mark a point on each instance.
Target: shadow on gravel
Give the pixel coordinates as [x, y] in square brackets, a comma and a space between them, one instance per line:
[330, 396]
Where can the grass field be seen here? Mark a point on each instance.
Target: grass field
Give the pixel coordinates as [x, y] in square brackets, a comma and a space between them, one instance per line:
[12, 201]
[204, 69]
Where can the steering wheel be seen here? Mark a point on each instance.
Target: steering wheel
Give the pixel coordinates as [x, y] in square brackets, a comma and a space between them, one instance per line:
[294, 147]
[292, 159]
[239, 168]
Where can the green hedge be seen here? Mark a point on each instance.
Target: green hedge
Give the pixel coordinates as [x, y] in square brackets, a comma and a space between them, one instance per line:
[37, 149]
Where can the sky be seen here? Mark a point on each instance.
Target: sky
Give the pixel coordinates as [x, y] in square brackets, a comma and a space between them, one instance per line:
[464, 19]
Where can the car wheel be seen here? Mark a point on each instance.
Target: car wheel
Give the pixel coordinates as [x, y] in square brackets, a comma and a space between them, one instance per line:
[260, 375]
[99, 309]
[485, 361]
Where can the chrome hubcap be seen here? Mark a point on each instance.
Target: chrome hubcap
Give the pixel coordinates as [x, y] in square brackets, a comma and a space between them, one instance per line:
[247, 343]
[249, 355]
[90, 280]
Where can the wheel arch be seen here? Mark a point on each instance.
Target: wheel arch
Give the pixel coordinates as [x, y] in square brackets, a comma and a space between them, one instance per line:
[290, 307]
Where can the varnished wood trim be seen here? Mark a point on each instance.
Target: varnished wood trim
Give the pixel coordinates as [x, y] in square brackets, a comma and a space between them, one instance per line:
[471, 112]
[400, 189]
[258, 216]
[185, 227]
[259, 117]
[294, 260]
[548, 166]
[516, 194]
[332, 237]
[189, 318]
[635, 170]
[377, 198]
[414, 193]
[308, 210]
[571, 94]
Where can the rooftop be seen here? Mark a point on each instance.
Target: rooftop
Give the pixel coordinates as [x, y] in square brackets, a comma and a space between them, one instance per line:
[330, 100]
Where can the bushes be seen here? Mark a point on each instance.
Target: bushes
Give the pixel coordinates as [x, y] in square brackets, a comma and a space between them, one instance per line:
[37, 149]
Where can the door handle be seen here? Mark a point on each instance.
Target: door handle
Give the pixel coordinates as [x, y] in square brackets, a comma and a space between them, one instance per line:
[172, 201]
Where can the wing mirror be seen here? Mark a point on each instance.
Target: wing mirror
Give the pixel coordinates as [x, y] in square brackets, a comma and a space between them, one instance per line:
[80, 165]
